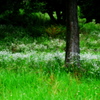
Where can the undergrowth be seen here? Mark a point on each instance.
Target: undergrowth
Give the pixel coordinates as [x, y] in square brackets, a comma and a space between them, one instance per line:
[32, 64]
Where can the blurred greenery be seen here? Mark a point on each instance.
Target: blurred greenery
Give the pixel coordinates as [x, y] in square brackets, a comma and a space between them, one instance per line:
[32, 54]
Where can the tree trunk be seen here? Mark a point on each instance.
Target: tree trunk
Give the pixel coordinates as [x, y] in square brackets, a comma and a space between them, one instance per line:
[72, 37]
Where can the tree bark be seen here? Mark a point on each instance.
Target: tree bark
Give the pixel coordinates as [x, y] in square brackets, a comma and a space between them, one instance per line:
[72, 35]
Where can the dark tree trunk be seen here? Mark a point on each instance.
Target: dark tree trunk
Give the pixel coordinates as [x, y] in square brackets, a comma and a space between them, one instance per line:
[72, 36]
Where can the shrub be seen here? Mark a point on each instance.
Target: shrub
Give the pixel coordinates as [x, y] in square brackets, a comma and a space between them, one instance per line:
[90, 27]
[56, 31]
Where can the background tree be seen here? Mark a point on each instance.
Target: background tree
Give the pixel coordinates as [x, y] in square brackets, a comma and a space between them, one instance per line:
[57, 6]
[10, 10]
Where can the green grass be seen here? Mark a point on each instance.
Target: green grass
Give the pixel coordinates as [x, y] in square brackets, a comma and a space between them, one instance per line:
[36, 84]
[33, 68]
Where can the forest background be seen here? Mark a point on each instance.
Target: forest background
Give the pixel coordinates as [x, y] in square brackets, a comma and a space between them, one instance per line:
[32, 51]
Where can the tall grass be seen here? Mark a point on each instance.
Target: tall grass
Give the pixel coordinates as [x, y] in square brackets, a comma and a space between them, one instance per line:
[36, 84]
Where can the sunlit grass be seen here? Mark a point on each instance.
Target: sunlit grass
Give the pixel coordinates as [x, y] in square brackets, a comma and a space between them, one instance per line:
[39, 85]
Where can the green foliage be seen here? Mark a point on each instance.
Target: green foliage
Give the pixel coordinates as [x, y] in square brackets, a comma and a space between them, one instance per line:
[90, 28]
[33, 68]
[17, 12]
[91, 67]
[22, 44]
[8, 32]
[32, 59]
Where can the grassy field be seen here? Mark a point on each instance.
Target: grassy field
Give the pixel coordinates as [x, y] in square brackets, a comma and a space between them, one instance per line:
[33, 68]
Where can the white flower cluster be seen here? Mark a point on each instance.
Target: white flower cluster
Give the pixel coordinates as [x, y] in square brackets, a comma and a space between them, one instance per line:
[34, 55]
[43, 56]
[89, 56]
